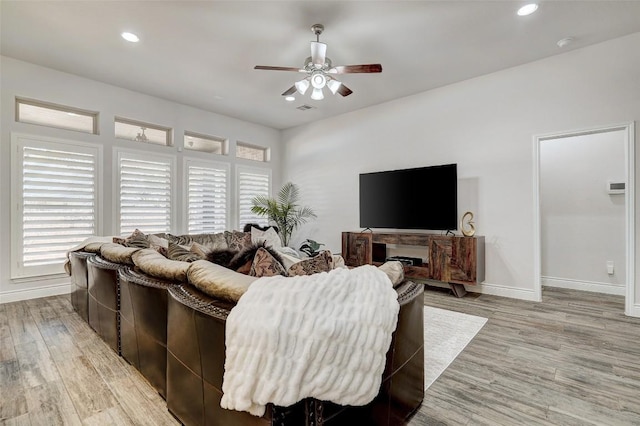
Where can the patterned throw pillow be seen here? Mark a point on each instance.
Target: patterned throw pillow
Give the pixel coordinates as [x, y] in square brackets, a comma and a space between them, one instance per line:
[238, 241]
[177, 252]
[217, 241]
[199, 249]
[265, 265]
[161, 245]
[137, 239]
[320, 263]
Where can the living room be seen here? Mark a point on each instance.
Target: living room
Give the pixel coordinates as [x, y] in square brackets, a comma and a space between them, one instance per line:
[486, 124]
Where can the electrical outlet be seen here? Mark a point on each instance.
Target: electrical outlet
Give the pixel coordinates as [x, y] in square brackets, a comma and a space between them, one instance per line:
[610, 267]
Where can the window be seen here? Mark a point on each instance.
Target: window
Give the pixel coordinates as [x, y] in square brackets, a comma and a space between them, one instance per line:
[207, 196]
[252, 152]
[204, 143]
[251, 183]
[52, 115]
[56, 201]
[145, 192]
[139, 131]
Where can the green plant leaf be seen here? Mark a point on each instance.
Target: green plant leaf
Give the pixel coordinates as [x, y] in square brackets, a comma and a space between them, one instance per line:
[283, 211]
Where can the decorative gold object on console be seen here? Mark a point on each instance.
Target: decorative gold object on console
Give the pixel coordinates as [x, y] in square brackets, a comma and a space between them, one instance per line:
[466, 225]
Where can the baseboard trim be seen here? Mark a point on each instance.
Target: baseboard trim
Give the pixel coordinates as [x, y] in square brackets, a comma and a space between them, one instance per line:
[592, 286]
[34, 293]
[504, 291]
[492, 289]
[635, 311]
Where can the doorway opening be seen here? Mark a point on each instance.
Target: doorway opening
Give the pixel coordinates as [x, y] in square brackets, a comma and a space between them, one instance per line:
[622, 183]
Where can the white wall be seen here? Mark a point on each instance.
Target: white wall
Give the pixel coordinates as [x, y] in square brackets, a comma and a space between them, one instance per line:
[30, 81]
[485, 125]
[582, 225]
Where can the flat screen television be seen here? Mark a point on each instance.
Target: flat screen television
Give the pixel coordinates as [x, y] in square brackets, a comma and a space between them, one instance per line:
[418, 198]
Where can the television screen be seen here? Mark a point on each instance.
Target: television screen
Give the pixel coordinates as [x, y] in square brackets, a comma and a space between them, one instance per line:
[418, 198]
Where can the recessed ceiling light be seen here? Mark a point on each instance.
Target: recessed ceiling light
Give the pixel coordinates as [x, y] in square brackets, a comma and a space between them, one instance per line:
[290, 98]
[527, 9]
[565, 41]
[130, 37]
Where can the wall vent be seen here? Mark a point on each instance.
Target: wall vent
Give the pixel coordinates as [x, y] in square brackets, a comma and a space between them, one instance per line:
[615, 187]
[305, 107]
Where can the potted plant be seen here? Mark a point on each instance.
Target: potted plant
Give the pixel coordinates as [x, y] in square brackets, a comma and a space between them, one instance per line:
[283, 211]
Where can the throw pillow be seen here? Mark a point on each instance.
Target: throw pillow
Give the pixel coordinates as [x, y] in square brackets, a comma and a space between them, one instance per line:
[394, 270]
[177, 252]
[244, 268]
[238, 241]
[265, 265]
[200, 250]
[217, 241]
[320, 263]
[158, 243]
[338, 261]
[270, 237]
[137, 239]
[241, 262]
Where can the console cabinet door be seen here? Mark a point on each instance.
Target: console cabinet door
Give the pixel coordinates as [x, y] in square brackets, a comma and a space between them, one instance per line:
[357, 248]
[453, 259]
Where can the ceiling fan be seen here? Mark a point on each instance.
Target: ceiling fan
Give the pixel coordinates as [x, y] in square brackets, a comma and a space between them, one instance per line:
[320, 71]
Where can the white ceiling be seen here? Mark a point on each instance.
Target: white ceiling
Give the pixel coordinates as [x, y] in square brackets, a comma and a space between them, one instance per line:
[202, 53]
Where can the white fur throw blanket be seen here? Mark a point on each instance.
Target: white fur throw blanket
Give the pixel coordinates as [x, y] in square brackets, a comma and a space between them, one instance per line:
[324, 336]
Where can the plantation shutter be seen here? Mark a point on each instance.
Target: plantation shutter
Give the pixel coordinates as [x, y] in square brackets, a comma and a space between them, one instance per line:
[207, 198]
[251, 183]
[145, 184]
[56, 203]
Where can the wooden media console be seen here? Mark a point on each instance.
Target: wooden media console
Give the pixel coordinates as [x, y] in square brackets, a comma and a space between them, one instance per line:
[453, 259]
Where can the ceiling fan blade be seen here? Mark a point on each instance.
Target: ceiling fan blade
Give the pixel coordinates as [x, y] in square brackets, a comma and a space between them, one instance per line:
[290, 91]
[318, 53]
[344, 90]
[352, 69]
[269, 68]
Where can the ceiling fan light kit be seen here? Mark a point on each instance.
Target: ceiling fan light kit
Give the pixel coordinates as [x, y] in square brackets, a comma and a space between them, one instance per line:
[333, 85]
[320, 71]
[317, 94]
[302, 86]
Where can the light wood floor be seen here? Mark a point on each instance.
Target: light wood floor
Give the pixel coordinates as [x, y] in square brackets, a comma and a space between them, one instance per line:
[573, 359]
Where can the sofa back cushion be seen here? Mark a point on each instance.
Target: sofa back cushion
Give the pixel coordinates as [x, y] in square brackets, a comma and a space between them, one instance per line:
[117, 253]
[218, 281]
[154, 264]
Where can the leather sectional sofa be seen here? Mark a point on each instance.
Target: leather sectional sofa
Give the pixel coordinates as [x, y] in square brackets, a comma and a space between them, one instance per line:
[174, 334]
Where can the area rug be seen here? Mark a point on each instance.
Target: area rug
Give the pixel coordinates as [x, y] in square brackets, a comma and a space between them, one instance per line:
[446, 333]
